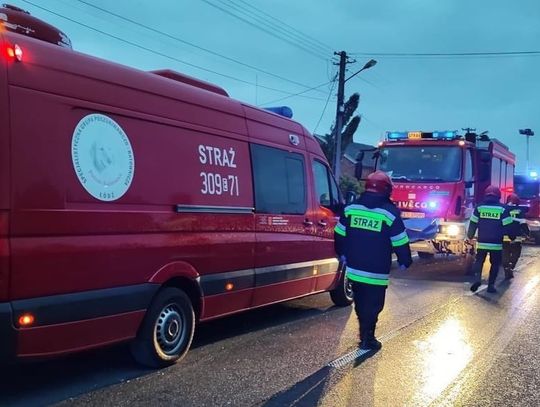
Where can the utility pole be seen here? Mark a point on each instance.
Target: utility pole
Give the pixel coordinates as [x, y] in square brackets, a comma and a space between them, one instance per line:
[343, 61]
[339, 112]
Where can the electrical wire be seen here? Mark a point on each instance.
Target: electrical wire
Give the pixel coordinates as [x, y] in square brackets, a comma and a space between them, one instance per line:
[296, 94]
[283, 27]
[137, 23]
[268, 31]
[326, 104]
[447, 54]
[169, 56]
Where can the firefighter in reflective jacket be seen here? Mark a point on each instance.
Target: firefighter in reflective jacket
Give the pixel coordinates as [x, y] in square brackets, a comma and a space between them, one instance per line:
[492, 220]
[367, 233]
[512, 249]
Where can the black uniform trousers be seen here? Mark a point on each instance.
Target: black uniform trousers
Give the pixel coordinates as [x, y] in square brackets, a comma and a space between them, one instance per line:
[495, 258]
[510, 255]
[368, 303]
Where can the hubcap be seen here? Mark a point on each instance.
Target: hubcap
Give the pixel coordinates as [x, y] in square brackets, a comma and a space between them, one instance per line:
[169, 330]
[348, 288]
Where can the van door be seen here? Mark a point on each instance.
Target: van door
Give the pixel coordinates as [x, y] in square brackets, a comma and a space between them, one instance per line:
[283, 223]
[327, 204]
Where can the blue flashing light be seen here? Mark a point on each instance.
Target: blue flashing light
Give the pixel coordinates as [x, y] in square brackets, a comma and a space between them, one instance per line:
[445, 135]
[397, 135]
[284, 111]
[432, 205]
[533, 174]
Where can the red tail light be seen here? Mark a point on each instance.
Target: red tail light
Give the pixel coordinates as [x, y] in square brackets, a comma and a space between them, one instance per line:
[14, 53]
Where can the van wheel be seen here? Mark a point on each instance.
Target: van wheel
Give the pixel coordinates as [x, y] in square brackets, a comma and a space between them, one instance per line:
[425, 255]
[342, 295]
[167, 330]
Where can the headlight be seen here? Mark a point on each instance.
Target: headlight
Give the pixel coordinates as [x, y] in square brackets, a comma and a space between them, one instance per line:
[452, 230]
[533, 223]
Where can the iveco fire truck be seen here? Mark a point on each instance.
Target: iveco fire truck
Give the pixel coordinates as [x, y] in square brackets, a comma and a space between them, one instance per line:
[438, 178]
[527, 187]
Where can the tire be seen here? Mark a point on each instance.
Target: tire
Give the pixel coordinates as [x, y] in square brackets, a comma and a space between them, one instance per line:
[342, 295]
[166, 332]
[425, 255]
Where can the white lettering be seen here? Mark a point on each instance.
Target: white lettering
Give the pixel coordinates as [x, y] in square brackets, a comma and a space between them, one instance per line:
[202, 155]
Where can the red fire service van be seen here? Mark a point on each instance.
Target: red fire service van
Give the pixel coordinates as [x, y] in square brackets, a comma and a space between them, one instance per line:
[527, 187]
[438, 178]
[134, 205]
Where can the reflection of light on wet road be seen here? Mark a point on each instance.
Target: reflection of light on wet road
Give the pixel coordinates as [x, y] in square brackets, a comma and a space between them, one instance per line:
[445, 354]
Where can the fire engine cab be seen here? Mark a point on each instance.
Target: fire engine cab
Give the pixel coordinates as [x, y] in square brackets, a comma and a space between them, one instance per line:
[438, 178]
[527, 187]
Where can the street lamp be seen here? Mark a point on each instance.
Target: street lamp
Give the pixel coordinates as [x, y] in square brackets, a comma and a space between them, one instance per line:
[528, 133]
[340, 109]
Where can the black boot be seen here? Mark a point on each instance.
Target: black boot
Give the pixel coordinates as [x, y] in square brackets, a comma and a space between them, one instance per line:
[491, 289]
[475, 286]
[508, 273]
[369, 342]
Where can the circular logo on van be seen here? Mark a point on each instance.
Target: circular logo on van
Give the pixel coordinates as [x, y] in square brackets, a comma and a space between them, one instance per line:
[102, 157]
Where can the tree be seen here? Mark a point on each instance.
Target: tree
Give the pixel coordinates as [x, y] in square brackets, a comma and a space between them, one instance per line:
[350, 124]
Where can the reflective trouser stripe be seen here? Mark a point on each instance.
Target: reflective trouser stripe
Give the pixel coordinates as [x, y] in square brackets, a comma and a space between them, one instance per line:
[489, 246]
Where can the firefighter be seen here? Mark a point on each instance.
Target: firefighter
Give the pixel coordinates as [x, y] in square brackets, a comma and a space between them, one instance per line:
[512, 249]
[367, 233]
[492, 220]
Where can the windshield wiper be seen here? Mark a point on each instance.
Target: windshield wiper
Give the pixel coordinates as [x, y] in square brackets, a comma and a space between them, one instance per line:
[401, 178]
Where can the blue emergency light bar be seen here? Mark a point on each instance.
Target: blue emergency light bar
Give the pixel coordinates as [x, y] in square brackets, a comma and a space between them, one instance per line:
[417, 135]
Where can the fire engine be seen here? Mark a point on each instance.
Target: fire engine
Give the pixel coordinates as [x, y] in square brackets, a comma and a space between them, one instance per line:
[527, 187]
[438, 178]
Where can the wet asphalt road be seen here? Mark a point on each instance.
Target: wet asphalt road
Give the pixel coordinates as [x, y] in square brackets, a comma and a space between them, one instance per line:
[441, 346]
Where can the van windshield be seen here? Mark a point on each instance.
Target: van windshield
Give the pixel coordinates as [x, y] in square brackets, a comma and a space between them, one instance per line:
[422, 163]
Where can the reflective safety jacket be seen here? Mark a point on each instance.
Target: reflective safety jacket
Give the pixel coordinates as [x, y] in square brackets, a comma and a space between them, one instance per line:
[493, 221]
[521, 229]
[368, 232]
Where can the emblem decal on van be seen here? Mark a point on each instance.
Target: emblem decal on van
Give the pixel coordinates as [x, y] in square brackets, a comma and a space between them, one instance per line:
[102, 157]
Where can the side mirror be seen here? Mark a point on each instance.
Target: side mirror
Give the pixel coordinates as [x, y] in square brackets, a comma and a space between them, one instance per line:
[469, 184]
[358, 170]
[351, 197]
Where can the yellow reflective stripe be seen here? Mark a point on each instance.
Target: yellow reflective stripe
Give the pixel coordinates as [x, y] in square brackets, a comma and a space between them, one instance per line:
[489, 246]
[340, 232]
[474, 218]
[507, 221]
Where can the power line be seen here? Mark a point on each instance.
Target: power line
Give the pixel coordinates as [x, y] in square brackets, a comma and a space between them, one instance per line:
[166, 55]
[268, 31]
[296, 94]
[191, 44]
[286, 28]
[447, 54]
[326, 104]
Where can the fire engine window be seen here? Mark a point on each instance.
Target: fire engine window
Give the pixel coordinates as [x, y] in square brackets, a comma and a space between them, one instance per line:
[496, 172]
[279, 178]
[422, 163]
[469, 170]
[509, 176]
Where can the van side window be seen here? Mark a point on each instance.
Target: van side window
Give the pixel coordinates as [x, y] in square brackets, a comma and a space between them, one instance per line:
[469, 170]
[325, 186]
[279, 181]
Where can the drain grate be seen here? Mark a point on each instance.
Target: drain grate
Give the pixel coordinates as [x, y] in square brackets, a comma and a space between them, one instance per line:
[348, 358]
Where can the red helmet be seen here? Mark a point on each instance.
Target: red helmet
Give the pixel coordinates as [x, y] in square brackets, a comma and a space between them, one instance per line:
[493, 191]
[379, 182]
[512, 199]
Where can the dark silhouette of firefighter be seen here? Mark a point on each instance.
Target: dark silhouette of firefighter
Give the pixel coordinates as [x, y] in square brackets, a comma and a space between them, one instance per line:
[492, 220]
[512, 248]
[369, 230]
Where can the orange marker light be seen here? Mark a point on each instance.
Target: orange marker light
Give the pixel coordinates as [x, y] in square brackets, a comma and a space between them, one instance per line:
[26, 320]
[229, 286]
[10, 52]
[14, 52]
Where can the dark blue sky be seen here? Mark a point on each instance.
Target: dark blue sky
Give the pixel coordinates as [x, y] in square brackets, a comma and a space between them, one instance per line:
[499, 94]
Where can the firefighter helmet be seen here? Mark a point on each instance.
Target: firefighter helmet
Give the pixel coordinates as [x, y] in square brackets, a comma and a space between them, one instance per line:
[512, 199]
[379, 182]
[493, 191]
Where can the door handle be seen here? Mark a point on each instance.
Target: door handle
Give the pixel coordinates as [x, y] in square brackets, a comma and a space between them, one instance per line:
[322, 223]
[307, 222]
